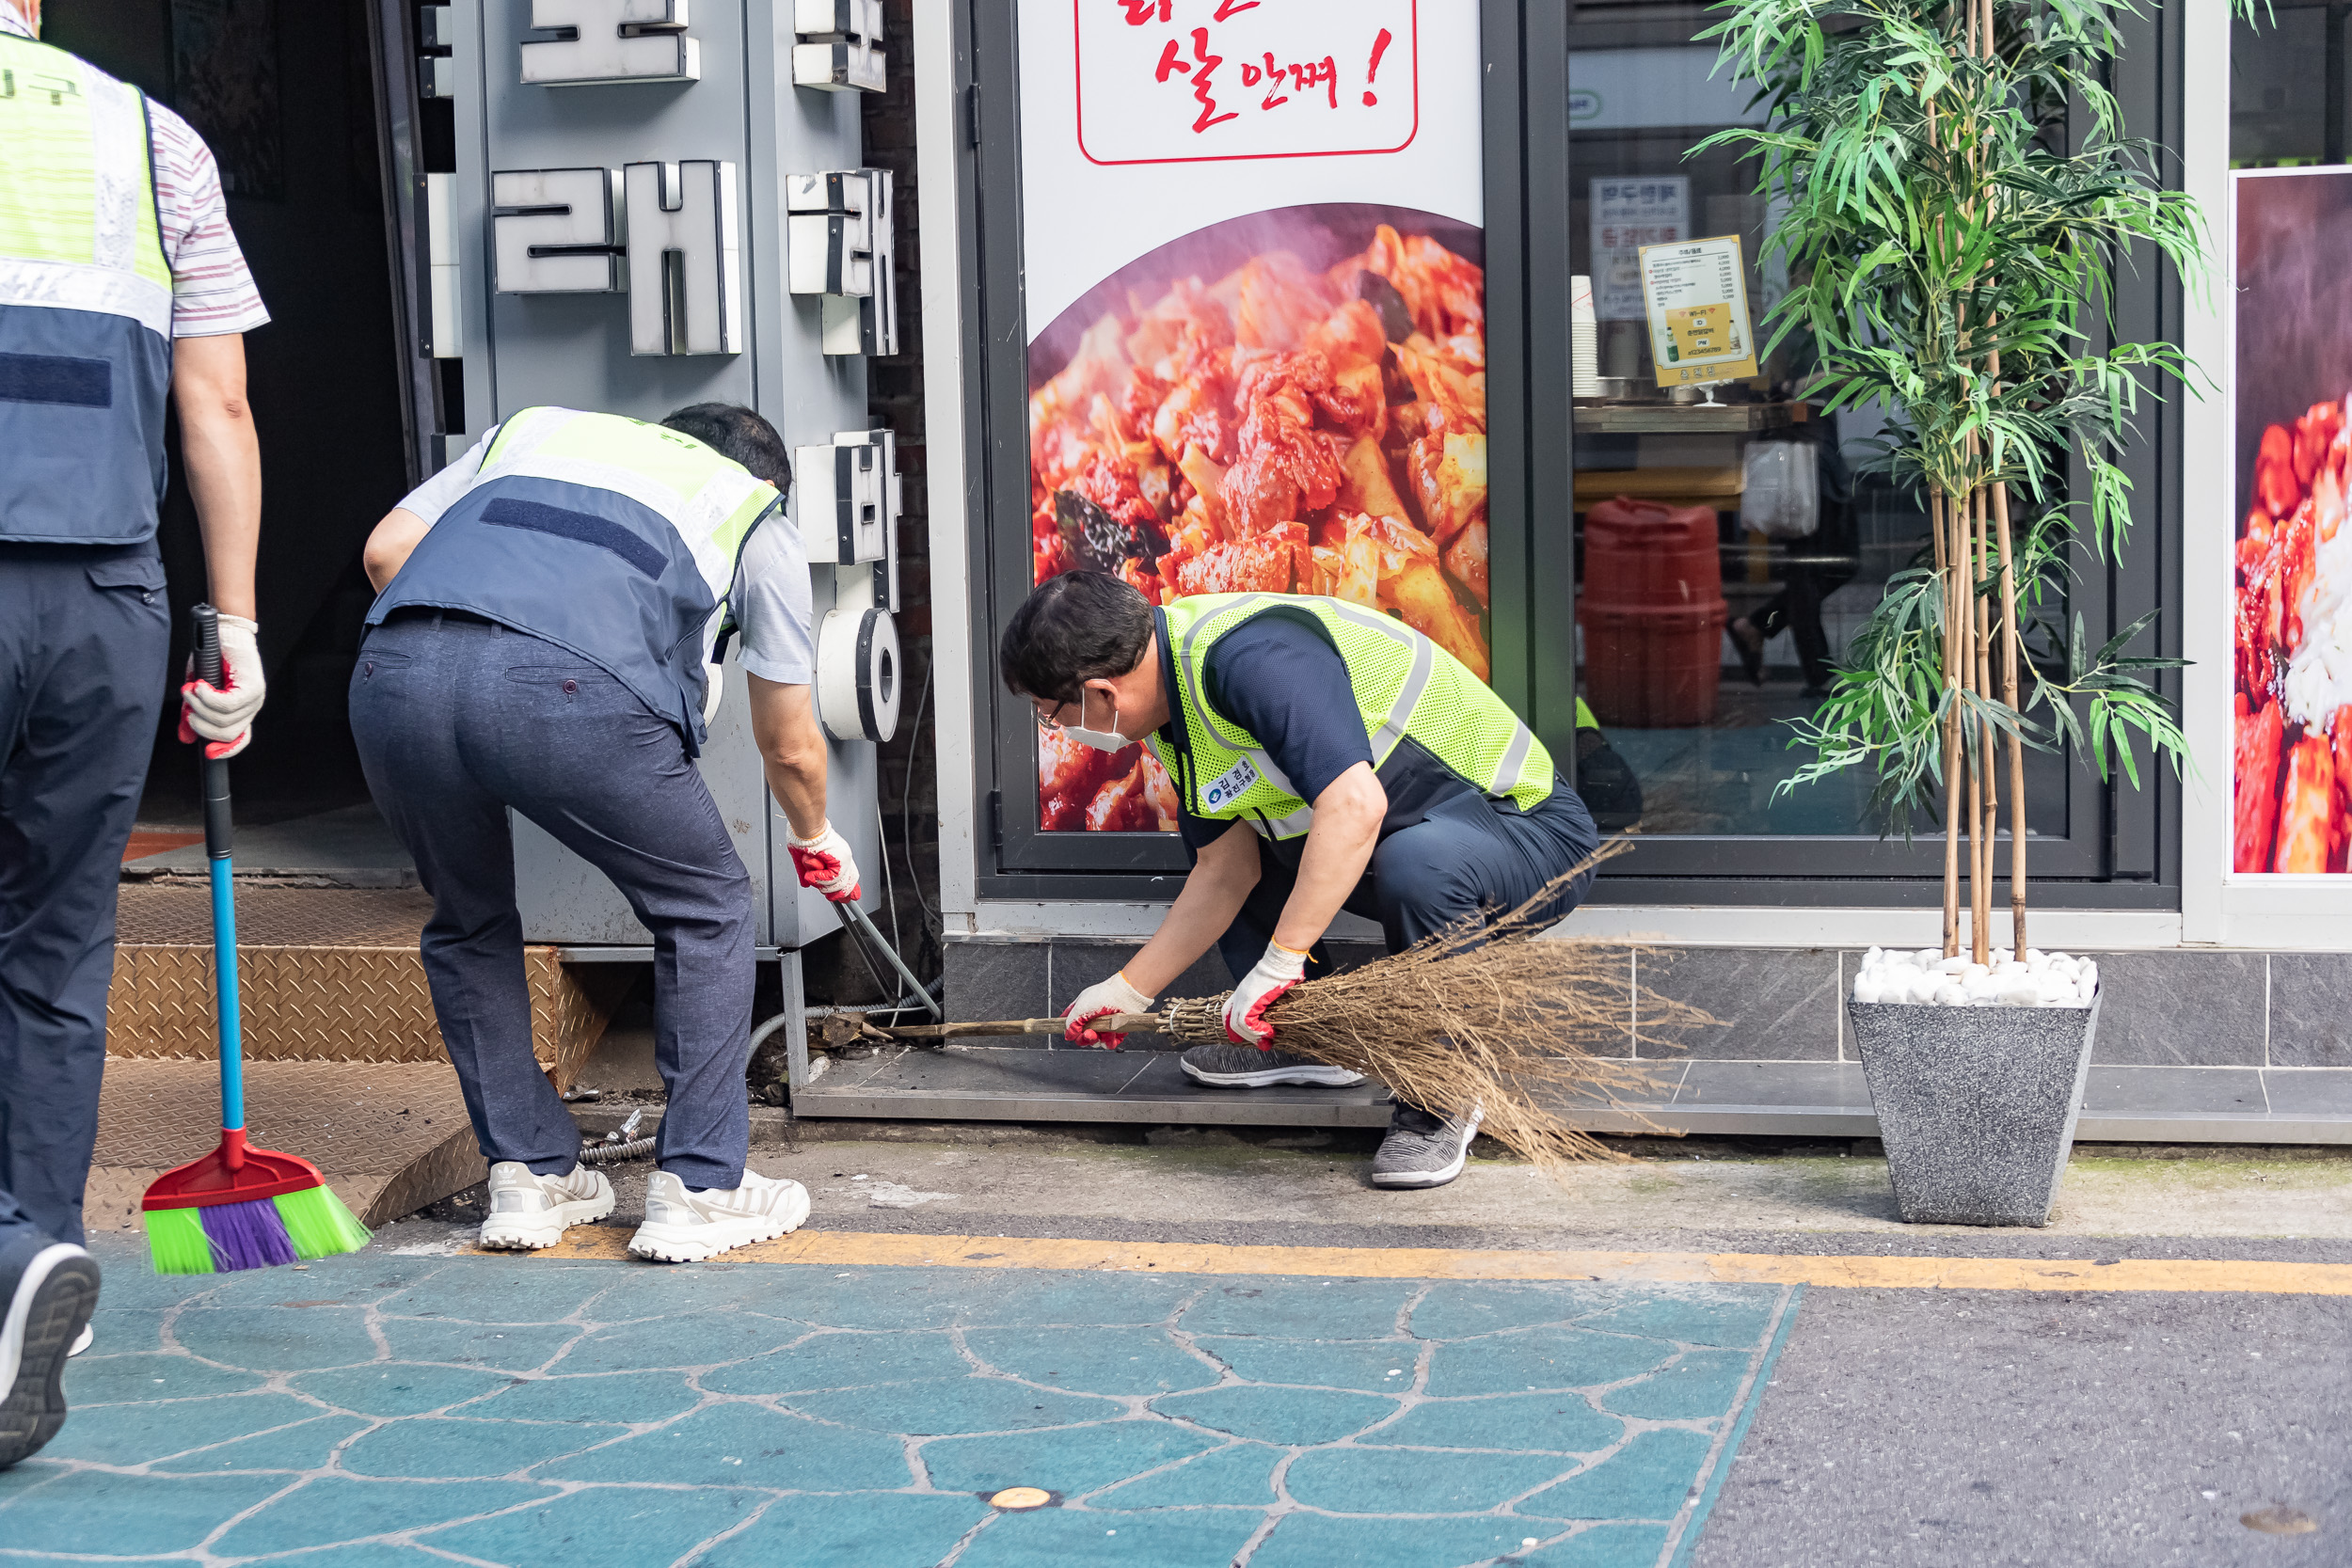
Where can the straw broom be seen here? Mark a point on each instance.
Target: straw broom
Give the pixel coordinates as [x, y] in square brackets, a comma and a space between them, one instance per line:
[1477, 1014]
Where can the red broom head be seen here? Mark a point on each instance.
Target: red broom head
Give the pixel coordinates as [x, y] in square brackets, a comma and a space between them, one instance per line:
[232, 1173]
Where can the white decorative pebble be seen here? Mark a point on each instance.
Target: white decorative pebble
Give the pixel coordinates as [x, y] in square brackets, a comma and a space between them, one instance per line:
[1926, 977]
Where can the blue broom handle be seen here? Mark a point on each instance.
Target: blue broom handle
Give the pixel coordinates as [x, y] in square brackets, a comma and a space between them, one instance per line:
[216, 847]
[225, 969]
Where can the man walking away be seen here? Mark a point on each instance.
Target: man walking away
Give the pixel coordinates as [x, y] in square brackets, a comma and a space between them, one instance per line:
[119, 284]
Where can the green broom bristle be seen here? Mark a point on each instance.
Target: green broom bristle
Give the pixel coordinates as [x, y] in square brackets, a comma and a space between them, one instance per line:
[319, 1224]
[176, 1242]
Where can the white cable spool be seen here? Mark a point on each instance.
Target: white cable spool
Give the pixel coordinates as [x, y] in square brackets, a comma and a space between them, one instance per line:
[857, 675]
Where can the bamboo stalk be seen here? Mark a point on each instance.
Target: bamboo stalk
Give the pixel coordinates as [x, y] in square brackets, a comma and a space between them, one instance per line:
[1940, 511]
[2011, 637]
[1983, 916]
[1976, 826]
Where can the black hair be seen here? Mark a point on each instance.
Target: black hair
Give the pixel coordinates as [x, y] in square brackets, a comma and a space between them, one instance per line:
[739, 432]
[1075, 628]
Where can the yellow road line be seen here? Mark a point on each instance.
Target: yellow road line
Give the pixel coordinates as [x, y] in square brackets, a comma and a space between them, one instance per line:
[866, 1249]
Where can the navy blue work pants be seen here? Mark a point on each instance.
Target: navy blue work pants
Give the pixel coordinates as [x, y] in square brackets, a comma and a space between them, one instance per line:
[459, 720]
[85, 633]
[1468, 857]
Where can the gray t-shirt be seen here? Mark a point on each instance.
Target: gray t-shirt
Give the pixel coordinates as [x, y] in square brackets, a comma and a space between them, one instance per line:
[770, 594]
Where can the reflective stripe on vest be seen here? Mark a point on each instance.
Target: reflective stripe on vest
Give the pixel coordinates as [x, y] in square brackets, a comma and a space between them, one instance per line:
[77, 196]
[85, 305]
[1405, 685]
[611, 538]
[711, 501]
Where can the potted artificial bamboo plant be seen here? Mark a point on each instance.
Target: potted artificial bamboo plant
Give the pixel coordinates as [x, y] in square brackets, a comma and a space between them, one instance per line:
[1949, 248]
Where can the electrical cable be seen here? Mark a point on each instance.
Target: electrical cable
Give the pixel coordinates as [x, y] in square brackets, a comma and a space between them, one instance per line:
[858, 947]
[906, 794]
[900, 1002]
[890, 892]
[852, 914]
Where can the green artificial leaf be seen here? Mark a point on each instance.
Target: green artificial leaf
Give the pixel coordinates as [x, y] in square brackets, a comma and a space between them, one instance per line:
[1953, 225]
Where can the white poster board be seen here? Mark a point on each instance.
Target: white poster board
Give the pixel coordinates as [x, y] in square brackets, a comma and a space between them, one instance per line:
[1626, 214]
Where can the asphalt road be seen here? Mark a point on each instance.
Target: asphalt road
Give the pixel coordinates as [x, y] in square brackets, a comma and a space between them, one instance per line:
[1989, 1429]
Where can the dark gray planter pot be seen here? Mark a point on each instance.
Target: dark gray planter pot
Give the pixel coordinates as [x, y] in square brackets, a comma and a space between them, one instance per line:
[1976, 1105]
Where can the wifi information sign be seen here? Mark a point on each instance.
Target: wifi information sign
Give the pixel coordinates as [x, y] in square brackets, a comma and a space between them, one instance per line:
[1195, 81]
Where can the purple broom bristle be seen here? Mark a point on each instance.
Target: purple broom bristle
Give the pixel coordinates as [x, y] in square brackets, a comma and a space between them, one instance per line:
[246, 1235]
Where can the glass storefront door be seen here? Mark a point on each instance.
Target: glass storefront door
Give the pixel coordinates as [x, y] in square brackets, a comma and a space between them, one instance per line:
[1729, 549]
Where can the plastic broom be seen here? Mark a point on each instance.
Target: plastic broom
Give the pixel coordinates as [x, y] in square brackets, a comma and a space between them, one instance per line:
[237, 1206]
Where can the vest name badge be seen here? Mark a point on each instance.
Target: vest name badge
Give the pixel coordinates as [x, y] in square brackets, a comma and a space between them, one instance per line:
[1230, 785]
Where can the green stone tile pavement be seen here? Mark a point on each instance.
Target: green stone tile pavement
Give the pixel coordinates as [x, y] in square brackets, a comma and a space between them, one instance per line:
[389, 1411]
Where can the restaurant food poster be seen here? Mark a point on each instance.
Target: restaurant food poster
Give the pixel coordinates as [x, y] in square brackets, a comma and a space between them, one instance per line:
[1253, 259]
[2291, 764]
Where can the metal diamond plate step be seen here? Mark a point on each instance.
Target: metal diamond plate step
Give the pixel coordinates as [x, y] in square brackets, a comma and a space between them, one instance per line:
[326, 974]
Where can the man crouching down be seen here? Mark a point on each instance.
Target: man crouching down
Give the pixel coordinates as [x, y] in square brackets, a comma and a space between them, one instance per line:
[1325, 757]
[551, 611]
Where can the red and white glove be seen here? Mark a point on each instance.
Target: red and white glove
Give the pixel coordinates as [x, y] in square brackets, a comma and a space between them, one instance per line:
[825, 863]
[1100, 1000]
[1245, 1011]
[223, 715]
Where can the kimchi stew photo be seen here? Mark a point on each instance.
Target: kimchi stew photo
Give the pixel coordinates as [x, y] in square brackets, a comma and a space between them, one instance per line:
[2293, 667]
[1282, 427]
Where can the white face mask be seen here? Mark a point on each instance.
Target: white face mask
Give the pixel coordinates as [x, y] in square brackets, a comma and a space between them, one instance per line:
[1101, 740]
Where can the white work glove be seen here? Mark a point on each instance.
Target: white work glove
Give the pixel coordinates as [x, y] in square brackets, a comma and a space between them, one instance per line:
[825, 863]
[1100, 1000]
[1245, 1011]
[223, 718]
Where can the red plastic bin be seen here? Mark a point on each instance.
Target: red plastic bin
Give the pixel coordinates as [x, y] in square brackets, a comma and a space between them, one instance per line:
[1653, 614]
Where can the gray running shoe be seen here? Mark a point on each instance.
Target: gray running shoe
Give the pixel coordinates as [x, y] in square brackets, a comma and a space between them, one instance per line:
[1245, 1066]
[1424, 1150]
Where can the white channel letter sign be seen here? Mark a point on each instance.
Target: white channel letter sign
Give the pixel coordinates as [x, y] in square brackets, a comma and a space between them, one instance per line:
[1181, 80]
[839, 47]
[559, 231]
[610, 40]
[838, 244]
[848, 497]
[685, 261]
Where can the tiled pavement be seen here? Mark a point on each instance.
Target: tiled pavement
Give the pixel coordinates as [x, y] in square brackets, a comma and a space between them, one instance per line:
[382, 1411]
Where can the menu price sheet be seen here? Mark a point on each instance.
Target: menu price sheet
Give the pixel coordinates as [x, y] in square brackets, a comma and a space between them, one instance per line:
[1696, 295]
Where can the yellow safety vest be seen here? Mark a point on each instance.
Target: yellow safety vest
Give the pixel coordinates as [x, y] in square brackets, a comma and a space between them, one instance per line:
[1405, 685]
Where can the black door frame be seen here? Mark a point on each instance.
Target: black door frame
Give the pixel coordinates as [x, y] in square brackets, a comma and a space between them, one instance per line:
[2120, 846]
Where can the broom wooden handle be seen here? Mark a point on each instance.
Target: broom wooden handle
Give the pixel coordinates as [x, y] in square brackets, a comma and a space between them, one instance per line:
[1114, 1023]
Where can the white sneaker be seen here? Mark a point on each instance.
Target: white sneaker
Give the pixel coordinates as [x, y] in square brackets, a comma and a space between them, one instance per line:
[685, 1226]
[528, 1211]
[47, 1291]
[88, 1336]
